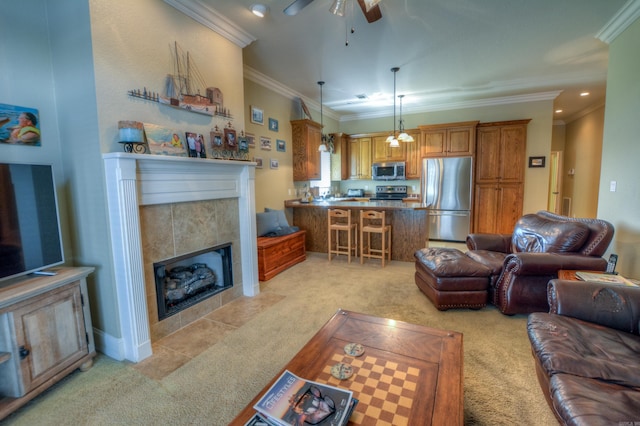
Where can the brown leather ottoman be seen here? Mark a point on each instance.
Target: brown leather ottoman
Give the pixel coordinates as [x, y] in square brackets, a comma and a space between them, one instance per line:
[450, 279]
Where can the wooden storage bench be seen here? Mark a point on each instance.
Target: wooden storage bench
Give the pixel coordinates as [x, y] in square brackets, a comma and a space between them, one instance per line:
[275, 254]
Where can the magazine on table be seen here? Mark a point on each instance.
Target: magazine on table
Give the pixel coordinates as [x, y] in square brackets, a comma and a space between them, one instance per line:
[603, 278]
[261, 420]
[293, 401]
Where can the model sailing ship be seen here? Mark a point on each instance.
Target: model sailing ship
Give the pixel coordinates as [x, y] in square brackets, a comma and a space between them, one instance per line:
[183, 89]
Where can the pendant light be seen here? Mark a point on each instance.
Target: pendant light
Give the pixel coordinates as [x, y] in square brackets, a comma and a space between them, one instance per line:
[403, 136]
[392, 140]
[325, 140]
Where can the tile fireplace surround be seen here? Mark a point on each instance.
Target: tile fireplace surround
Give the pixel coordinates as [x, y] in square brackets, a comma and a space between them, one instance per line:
[139, 181]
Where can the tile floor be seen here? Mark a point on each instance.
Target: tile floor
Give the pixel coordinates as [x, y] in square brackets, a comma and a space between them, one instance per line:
[175, 350]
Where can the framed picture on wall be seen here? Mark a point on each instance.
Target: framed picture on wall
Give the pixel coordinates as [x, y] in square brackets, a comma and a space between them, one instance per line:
[281, 145]
[257, 115]
[536, 161]
[258, 161]
[251, 140]
[273, 124]
[274, 163]
[19, 125]
[265, 143]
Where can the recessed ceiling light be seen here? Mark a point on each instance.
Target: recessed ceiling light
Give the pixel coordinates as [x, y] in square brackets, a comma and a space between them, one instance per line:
[259, 10]
[558, 111]
[585, 94]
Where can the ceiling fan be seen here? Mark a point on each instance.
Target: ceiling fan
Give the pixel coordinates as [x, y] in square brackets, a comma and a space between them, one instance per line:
[370, 8]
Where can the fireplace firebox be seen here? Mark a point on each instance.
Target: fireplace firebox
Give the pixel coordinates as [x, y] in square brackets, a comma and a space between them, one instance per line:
[185, 280]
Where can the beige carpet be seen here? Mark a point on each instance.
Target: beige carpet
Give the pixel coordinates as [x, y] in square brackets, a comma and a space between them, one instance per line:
[500, 386]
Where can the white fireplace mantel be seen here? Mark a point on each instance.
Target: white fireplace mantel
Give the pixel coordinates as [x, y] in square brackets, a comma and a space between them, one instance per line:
[135, 180]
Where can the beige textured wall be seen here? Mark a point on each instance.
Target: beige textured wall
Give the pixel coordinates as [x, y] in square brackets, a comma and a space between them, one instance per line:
[583, 153]
[621, 150]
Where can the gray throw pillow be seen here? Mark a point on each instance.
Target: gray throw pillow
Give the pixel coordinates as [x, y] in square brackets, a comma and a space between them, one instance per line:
[267, 222]
[282, 218]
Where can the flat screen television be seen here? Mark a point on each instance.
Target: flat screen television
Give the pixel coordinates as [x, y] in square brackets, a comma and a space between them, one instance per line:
[30, 238]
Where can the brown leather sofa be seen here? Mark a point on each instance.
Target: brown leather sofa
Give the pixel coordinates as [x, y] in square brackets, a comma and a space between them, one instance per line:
[522, 263]
[587, 352]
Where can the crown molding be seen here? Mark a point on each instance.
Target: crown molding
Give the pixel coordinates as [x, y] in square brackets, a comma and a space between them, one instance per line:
[444, 106]
[582, 113]
[213, 20]
[279, 88]
[620, 22]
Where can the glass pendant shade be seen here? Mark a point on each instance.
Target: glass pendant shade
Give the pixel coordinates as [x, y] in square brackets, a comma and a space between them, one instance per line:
[403, 136]
[368, 4]
[338, 7]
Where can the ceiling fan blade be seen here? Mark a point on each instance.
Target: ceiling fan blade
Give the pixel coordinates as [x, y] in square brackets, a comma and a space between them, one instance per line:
[296, 7]
[373, 14]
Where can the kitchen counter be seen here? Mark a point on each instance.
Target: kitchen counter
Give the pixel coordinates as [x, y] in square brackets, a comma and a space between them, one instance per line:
[362, 203]
[409, 223]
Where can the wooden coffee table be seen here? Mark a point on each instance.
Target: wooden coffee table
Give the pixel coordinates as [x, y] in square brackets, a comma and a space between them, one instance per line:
[408, 375]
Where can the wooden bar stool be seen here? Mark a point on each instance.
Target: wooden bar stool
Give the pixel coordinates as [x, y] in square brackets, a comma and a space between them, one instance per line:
[374, 222]
[340, 221]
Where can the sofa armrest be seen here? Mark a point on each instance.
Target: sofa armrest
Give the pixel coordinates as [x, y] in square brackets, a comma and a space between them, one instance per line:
[492, 242]
[613, 306]
[551, 263]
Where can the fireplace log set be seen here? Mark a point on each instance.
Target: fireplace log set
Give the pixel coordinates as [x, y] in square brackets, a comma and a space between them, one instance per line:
[184, 281]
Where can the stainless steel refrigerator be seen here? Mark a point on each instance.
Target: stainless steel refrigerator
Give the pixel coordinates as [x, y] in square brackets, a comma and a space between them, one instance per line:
[446, 184]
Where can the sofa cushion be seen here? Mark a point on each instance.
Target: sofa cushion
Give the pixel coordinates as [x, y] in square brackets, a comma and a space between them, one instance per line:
[491, 259]
[572, 346]
[579, 400]
[536, 234]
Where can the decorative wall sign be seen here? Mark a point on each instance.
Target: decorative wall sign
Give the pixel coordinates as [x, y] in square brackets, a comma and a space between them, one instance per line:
[19, 125]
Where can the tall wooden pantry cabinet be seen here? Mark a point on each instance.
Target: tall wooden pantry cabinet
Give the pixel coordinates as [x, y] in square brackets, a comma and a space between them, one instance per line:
[499, 176]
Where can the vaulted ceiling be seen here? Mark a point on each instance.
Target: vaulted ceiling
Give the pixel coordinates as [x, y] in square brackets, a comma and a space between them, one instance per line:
[451, 53]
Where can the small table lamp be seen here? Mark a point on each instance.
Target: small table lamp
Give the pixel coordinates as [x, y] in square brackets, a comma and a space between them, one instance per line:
[132, 136]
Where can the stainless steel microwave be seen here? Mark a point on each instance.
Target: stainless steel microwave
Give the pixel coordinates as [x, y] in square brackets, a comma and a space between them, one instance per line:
[388, 171]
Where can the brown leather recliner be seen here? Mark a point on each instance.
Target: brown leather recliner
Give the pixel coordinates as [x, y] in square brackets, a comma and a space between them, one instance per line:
[541, 244]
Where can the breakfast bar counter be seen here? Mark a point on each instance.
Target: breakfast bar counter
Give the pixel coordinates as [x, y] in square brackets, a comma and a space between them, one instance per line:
[409, 222]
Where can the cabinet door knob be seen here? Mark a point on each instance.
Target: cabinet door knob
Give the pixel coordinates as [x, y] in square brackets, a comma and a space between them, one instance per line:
[24, 352]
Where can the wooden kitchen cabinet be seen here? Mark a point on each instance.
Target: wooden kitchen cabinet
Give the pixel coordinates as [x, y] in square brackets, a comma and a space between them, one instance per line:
[382, 151]
[413, 154]
[306, 139]
[449, 139]
[340, 157]
[499, 176]
[359, 157]
[45, 333]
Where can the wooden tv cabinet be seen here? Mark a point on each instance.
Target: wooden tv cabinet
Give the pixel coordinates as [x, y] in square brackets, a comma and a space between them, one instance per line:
[45, 333]
[275, 254]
